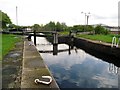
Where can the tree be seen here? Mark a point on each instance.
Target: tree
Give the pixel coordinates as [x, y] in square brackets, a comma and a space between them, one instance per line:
[101, 30]
[79, 28]
[12, 26]
[50, 26]
[36, 27]
[89, 28]
[61, 26]
[58, 26]
[6, 21]
[64, 26]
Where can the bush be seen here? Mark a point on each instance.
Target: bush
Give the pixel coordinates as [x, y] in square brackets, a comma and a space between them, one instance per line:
[101, 30]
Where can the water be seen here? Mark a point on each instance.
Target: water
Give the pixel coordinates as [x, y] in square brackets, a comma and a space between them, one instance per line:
[78, 69]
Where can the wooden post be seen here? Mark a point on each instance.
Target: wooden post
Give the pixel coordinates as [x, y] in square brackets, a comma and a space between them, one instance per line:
[35, 37]
[71, 40]
[70, 33]
[69, 49]
[55, 43]
[55, 36]
[55, 49]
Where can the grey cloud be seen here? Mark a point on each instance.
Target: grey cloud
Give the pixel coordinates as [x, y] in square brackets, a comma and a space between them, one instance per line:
[105, 17]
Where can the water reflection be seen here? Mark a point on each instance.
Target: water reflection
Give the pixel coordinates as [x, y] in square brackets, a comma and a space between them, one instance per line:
[113, 68]
[79, 69]
[44, 45]
[66, 62]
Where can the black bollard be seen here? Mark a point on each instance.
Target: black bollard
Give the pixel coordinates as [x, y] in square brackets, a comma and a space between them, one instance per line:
[35, 37]
[29, 38]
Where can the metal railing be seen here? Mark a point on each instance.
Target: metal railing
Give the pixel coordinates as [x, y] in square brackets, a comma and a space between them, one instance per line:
[115, 43]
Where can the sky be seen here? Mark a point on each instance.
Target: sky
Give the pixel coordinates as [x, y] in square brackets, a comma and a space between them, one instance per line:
[30, 12]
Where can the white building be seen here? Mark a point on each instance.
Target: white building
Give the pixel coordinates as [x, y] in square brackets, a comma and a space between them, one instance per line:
[113, 29]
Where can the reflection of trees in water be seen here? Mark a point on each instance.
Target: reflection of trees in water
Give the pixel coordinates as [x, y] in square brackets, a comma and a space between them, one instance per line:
[113, 68]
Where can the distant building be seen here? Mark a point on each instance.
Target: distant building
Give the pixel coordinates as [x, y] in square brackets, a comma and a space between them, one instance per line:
[27, 29]
[113, 29]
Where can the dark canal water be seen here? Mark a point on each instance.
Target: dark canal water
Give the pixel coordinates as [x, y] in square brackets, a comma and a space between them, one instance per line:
[78, 69]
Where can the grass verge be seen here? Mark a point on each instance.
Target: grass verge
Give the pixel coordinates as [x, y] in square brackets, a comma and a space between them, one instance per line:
[8, 43]
[97, 37]
[103, 38]
[0, 46]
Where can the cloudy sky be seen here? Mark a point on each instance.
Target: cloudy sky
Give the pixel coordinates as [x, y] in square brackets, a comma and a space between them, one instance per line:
[68, 11]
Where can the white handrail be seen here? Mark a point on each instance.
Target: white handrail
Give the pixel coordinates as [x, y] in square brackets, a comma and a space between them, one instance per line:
[118, 42]
[114, 42]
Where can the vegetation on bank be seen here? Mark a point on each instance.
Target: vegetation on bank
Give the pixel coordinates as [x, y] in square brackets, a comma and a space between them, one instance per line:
[0, 46]
[98, 32]
[5, 20]
[99, 37]
[8, 43]
[64, 33]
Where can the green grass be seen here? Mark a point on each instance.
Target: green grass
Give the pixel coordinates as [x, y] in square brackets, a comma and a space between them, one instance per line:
[64, 33]
[0, 46]
[103, 38]
[8, 43]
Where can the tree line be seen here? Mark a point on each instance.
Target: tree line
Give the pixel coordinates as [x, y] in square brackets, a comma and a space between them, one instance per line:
[52, 26]
[61, 27]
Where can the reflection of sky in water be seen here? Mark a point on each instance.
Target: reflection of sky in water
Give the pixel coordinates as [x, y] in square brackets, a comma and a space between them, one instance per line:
[80, 70]
[42, 42]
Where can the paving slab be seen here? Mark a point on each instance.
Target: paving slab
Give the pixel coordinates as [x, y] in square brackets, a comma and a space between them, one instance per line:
[33, 67]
